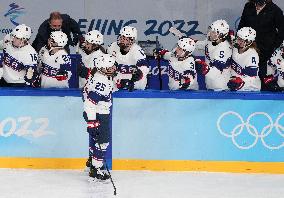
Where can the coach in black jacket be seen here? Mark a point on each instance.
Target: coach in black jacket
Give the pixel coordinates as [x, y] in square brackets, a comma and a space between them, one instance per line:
[268, 21]
[57, 22]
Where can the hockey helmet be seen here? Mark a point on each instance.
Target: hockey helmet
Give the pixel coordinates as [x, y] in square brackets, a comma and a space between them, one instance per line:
[60, 38]
[187, 44]
[129, 32]
[94, 37]
[221, 27]
[247, 34]
[22, 32]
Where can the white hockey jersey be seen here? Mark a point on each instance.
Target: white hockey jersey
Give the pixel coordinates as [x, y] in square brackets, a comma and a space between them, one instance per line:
[246, 67]
[89, 62]
[97, 95]
[275, 66]
[16, 62]
[127, 64]
[180, 71]
[218, 58]
[52, 66]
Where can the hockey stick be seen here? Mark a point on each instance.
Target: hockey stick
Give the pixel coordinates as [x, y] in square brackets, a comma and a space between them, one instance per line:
[106, 166]
[179, 34]
[159, 65]
[176, 32]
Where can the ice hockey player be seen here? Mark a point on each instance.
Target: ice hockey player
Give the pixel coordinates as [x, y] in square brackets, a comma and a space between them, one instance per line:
[55, 62]
[132, 64]
[218, 53]
[181, 70]
[275, 70]
[245, 61]
[90, 49]
[97, 94]
[19, 64]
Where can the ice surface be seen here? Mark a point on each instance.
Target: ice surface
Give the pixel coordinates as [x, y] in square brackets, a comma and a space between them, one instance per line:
[23, 183]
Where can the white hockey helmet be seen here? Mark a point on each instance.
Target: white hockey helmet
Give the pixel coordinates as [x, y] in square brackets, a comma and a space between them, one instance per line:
[22, 32]
[187, 44]
[129, 32]
[221, 27]
[60, 38]
[247, 34]
[105, 61]
[94, 37]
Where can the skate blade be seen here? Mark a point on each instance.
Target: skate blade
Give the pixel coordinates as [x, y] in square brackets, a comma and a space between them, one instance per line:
[98, 181]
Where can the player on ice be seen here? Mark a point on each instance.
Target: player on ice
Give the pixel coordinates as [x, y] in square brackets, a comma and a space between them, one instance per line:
[275, 70]
[97, 95]
[90, 49]
[132, 69]
[181, 69]
[245, 61]
[55, 62]
[19, 65]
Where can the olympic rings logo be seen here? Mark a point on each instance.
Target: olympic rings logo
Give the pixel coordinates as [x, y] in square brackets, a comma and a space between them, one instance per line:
[252, 130]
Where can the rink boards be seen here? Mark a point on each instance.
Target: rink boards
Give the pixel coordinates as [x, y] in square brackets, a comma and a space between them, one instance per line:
[151, 130]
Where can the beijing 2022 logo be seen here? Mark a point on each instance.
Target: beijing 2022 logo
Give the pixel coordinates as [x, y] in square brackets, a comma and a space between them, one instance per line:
[271, 134]
[14, 12]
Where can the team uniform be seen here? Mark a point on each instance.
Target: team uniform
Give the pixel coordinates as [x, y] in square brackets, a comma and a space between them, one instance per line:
[97, 95]
[55, 68]
[275, 66]
[88, 61]
[218, 58]
[180, 72]
[95, 38]
[245, 65]
[131, 63]
[19, 63]
[218, 53]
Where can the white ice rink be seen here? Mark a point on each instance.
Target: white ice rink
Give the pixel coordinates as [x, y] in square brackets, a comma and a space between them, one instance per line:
[21, 183]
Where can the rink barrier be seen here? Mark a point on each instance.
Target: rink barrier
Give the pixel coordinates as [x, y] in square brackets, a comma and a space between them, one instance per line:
[149, 148]
[209, 166]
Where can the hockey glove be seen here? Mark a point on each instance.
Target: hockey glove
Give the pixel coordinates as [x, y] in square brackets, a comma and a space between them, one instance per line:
[137, 75]
[125, 84]
[32, 78]
[92, 127]
[159, 53]
[271, 83]
[202, 67]
[83, 71]
[61, 75]
[186, 84]
[232, 35]
[235, 83]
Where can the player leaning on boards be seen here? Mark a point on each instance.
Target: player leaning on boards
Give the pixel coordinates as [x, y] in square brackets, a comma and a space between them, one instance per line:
[218, 53]
[90, 49]
[97, 95]
[132, 69]
[245, 62]
[275, 70]
[19, 64]
[181, 69]
[55, 62]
